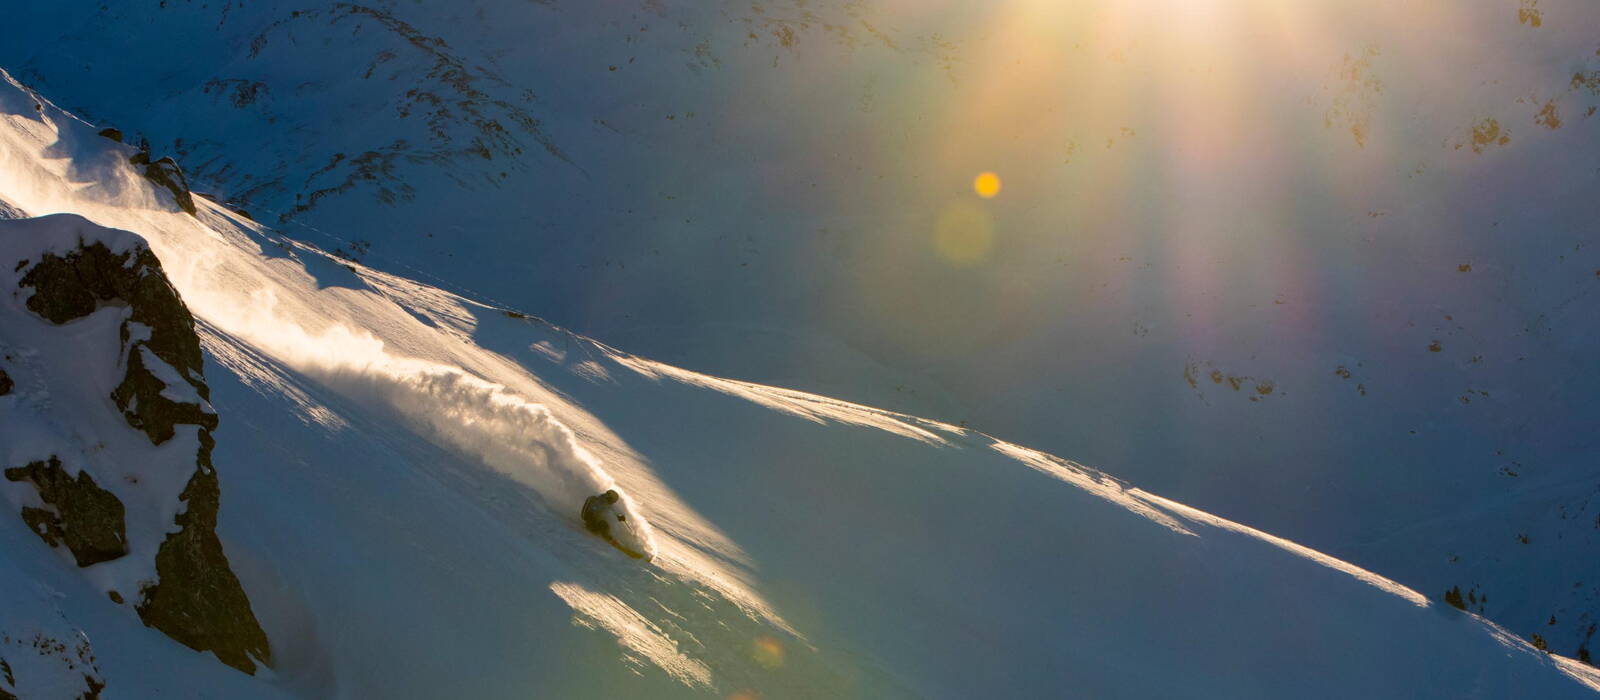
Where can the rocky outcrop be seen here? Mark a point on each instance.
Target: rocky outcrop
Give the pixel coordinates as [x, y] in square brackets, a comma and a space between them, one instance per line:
[85, 517]
[157, 337]
[165, 172]
[196, 599]
[6, 385]
[141, 396]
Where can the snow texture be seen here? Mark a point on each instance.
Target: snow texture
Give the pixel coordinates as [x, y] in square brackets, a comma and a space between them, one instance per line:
[1324, 267]
[399, 467]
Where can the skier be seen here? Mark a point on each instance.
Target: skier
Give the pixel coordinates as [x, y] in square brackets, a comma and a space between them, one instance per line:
[595, 509]
[597, 514]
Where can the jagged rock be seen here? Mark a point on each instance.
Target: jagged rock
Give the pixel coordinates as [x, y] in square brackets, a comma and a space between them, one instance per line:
[87, 518]
[195, 600]
[10, 678]
[145, 408]
[165, 172]
[6, 385]
[73, 286]
[113, 134]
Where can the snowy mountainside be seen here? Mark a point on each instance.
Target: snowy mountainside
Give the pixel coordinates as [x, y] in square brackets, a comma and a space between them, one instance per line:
[397, 467]
[130, 492]
[1325, 268]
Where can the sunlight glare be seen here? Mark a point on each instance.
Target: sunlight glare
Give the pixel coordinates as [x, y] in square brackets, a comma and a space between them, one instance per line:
[987, 185]
[767, 652]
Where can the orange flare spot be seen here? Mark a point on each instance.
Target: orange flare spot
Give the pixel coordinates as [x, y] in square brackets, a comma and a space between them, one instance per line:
[987, 185]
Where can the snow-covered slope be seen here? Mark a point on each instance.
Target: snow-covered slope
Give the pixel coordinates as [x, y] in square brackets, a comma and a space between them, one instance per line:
[397, 466]
[1324, 267]
[107, 446]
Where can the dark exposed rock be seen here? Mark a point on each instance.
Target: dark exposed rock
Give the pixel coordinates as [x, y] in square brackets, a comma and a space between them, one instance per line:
[6, 385]
[165, 172]
[230, 205]
[87, 518]
[45, 524]
[197, 600]
[10, 679]
[139, 397]
[242, 93]
[113, 134]
[73, 286]
[94, 685]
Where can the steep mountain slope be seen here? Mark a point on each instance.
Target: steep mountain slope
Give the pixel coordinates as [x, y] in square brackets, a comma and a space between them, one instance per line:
[396, 465]
[1324, 268]
[128, 488]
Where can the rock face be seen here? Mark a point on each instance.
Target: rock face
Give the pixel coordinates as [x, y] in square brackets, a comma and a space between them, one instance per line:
[86, 518]
[5, 383]
[165, 172]
[73, 286]
[196, 598]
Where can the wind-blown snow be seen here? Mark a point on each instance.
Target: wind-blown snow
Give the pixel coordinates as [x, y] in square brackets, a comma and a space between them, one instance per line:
[1284, 191]
[399, 468]
[509, 433]
[633, 631]
[272, 306]
[796, 403]
[521, 438]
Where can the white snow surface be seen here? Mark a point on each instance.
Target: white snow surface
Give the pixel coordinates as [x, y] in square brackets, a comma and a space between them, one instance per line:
[1287, 194]
[402, 468]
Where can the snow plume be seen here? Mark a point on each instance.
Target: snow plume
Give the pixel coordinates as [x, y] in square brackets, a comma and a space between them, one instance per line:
[456, 410]
[241, 296]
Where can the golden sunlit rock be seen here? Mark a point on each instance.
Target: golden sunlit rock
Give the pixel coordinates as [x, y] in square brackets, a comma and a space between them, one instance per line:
[987, 185]
[964, 233]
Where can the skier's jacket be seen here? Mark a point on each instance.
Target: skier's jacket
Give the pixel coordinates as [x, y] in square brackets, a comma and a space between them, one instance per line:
[595, 510]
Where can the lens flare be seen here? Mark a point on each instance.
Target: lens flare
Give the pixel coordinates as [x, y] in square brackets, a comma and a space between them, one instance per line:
[767, 652]
[964, 233]
[986, 184]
